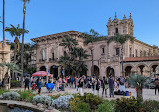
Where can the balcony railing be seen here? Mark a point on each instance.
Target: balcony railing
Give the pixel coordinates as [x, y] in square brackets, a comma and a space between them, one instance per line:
[52, 59]
[41, 60]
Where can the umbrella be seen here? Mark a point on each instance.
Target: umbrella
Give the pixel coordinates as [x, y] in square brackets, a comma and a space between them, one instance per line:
[41, 73]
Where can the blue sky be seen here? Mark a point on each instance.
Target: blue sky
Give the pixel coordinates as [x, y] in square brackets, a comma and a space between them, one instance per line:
[44, 17]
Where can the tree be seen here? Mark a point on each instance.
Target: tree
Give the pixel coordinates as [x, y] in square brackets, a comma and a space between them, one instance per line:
[121, 39]
[3, 20]
[138, 81]
[69, 42]
[92, 37]
[72, 60]
[15, 32]
[28, 54]
[22, 50]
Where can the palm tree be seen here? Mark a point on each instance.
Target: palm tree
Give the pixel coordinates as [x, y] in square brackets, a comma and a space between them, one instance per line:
[121, 39]
[69, 43]
[15, 32]
[64, 61]
[138, 81]
[3, 20]
[81, 53]
[22, 50]
[10, 66]
[90, 38]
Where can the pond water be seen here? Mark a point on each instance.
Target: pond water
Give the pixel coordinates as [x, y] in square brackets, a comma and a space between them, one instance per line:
[16, 109]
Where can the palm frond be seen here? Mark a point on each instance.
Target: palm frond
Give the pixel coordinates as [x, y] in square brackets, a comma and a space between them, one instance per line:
[120, 38]
[138, 80]
[10, 66]
[91, 37]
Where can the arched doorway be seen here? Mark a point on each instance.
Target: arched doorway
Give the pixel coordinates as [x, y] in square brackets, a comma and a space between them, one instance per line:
[96, 71]
[141, 69]
[54, 71]
[110, 71]
[128, 70]
[42, 68]
[153, 68]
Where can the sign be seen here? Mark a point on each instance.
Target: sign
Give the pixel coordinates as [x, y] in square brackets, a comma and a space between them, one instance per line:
[48, 71]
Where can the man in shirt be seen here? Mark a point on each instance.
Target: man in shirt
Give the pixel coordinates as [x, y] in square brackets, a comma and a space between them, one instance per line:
[111, 86]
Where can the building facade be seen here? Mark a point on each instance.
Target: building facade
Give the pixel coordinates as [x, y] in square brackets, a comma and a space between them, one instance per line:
[138, 57]
[4, 57]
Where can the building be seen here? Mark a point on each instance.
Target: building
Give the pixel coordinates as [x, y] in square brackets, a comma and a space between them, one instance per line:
[138, 57]
[4, 57]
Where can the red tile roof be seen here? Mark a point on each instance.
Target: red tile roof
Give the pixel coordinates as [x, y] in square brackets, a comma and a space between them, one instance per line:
[133, 59]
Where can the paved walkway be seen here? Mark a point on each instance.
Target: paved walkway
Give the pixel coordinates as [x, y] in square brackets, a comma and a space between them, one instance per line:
[147, 93]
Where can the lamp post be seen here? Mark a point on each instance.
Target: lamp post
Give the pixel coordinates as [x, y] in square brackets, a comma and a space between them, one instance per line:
[92, 70]
[47, 74]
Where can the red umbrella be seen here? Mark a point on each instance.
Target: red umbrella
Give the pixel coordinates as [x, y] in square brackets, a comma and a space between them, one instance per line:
[41, 73]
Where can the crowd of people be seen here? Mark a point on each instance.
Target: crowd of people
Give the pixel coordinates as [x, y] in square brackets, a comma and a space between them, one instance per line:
[79, 83]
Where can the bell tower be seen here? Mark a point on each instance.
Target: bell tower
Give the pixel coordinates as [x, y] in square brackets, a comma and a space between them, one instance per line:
[124, 26]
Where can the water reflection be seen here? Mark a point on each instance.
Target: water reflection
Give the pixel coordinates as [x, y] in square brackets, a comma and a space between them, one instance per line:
[4, 109]
[16, 109]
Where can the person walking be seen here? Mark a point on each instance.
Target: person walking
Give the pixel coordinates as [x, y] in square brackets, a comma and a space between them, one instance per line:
[111, 86]
[156, 85]
[58, 84]
[97, 86]
[77, 83]
[80, 86]
[26, 81]
[72, 81]
[55, 83]
[104, 86]
[39, 85]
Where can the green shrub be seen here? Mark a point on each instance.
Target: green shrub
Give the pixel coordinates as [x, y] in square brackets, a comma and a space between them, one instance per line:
[128, 105]
[1, 91]
[11, 95]
[155, 111]
[106, 106]
[14, 83]
[77, 105]
[55, 96]
[92, 100]
[26, 95]
[150, 105]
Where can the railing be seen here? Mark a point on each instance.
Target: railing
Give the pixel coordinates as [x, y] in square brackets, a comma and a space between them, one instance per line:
[41, 60]
[51, 59]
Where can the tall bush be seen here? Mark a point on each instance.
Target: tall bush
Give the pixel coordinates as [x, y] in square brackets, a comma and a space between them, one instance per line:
[106, 106]
[77, 105]
[14, 83]
[128, 105]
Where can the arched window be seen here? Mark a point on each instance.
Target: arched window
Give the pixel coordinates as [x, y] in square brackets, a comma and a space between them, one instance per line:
[43, 55]
[116, 30]
[54, 56]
